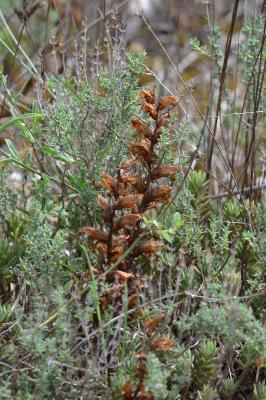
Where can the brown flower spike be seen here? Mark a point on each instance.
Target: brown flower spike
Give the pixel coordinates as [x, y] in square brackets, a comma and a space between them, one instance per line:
[134, 189]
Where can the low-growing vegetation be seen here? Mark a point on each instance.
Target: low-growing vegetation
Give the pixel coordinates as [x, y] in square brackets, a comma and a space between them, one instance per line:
[124, 273]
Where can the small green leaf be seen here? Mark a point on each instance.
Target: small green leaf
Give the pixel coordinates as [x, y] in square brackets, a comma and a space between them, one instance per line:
[57, 154]
[26, 133]
[177, 221]
[166, 235]
[12, 150]
[19, 118]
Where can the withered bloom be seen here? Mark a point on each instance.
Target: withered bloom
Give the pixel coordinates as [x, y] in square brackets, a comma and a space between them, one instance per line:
[157, 133]
[128, 201]
[102, 250]
[161, 193]
[161, 344]
[132, 179]
[109, 182]
[167, 101]
[103, 203]
[138, 125]
[142, 128]
[153, 323]
[151, 109]
[148, 95]
[127, 390]
[116, 253]
[124, 276]
[149, 247]
[120, 239]
[95, 234]
[143, 148]
[128, 164]
[166, 171]
[128, 220]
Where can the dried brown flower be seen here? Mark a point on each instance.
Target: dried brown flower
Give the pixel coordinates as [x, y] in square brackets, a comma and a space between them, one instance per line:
[128, 201]
[120, 239]
[124, 276]
[132, 300]
[128, 220]
[128, 164]
[131, 179]
[166, 171]
[142, 128]
[109, 182]
[103, 203]
[161, 344]
[161, 193]
[151, 109]
[167, 101]
[157, 133]
[138, 125]
[149, 247]
[148, 95]
[116, 253]
[143, 148]
[95, 234]
[127, 391]
[102, 250]
[151, 324]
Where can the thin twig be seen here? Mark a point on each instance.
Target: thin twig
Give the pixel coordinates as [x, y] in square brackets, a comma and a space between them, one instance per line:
[222, 82]
[140, 14]
[166, 297]
[96, 21]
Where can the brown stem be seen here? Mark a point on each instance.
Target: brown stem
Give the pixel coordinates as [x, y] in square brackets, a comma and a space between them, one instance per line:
[222, 81]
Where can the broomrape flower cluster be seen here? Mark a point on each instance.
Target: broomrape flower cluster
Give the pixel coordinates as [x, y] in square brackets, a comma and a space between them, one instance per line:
[135, 188]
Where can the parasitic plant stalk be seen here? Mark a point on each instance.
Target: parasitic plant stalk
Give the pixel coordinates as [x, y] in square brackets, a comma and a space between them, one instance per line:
[136, 188]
